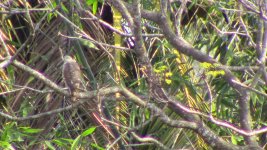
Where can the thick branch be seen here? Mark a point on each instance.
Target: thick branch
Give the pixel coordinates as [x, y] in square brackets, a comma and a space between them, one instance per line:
[40, 76]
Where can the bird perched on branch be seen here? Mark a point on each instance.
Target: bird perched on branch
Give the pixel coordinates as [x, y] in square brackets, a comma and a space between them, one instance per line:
[72, 76]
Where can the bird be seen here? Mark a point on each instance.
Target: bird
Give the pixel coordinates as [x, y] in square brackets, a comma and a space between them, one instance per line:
[72, 76]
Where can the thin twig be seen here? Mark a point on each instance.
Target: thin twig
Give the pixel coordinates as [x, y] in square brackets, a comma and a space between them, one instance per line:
[149, 139]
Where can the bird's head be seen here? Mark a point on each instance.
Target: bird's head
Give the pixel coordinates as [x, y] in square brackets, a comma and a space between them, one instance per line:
[67, 59]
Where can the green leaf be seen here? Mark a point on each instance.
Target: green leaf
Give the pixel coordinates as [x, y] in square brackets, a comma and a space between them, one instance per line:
[62, 142]
[59, 143]
[64, 8]
[97, 147]
[54, 3]
[264, 123]
[87, 43]
[30, 130]
[11, 74]
[168, 81]
[75, 143]
[11, 134]
[25, 111]
[90, 2]
[160, 68]
[5, 144]
[88, 131]
[66, 140]
[205, 65]
[95, 4]
[216, 73]
[235, 139]
[49, 145]
[49, 17]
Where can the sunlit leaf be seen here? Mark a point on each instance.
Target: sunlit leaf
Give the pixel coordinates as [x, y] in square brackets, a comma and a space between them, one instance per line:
[97, 147]
[168, 81]
[64, 8]
[95, 4]
[90, 2]
[88, 131]
[49, 145]
[63, 142]
[30, 130]
[205, 65]
[75, 143]
[54, 4]
[5, 144]
[216, 73]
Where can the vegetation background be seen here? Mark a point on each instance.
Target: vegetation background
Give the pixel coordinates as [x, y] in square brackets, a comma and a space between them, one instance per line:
[157, 74]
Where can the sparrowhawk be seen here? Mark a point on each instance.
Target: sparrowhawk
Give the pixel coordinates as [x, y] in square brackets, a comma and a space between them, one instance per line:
[72, 76]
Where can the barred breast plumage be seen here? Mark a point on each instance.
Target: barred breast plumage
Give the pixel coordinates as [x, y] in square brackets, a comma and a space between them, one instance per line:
[72, 75]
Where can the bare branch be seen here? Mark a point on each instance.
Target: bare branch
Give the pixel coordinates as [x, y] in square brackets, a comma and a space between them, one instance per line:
[41, 77]
[149, 139]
